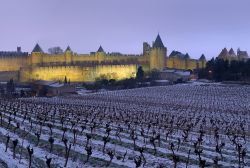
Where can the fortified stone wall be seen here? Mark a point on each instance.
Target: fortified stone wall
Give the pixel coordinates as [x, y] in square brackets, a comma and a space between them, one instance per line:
[185, 64]
[48, 58]
[77, 73]
[157, 58]
[13, 63]
[83, 57]
[87, 67]
[69, 57]
[176, 63]
[117, 72]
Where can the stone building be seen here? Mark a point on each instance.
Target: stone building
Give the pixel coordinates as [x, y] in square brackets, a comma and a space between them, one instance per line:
[38, 65]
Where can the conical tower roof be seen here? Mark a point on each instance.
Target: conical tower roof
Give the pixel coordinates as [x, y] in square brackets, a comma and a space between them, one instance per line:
[202, 57]
[100, 49]
[158, 42]
[231, 52]
[68, 49]
[37, 48]
[224, 53]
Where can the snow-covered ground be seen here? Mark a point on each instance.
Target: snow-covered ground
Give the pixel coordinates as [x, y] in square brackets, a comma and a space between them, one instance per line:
[212, 121]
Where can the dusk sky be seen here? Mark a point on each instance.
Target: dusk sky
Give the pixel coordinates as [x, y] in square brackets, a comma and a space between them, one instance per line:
[193, 26]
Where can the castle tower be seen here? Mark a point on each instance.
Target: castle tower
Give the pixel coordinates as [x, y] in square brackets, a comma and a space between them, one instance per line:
[224, 54]
[146, 48]
[100, 54]
[186, 57]
[68, 55]
[158, 54]
[36, 55]
[232, 53]
[202, 60]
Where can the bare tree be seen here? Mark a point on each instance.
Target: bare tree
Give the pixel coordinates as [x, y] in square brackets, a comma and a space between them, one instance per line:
[55, 50]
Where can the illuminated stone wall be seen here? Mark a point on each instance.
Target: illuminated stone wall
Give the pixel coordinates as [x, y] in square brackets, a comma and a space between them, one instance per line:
[88, 67]
[77, 73]
[117, 72]
[175, 62]
[13, 63]
[69, 57]
[30, 67]
[157, 58]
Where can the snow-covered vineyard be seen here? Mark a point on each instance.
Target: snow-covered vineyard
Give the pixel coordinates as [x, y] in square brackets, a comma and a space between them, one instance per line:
[170, 126]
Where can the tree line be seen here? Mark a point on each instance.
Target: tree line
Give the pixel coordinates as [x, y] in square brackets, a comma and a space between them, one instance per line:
[223, 70]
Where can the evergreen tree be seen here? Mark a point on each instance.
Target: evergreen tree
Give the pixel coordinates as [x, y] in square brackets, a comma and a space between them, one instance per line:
[140, 74]
[10, 86]
[22, 94]
[2, 91]
[223, 70]
[65, 80]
